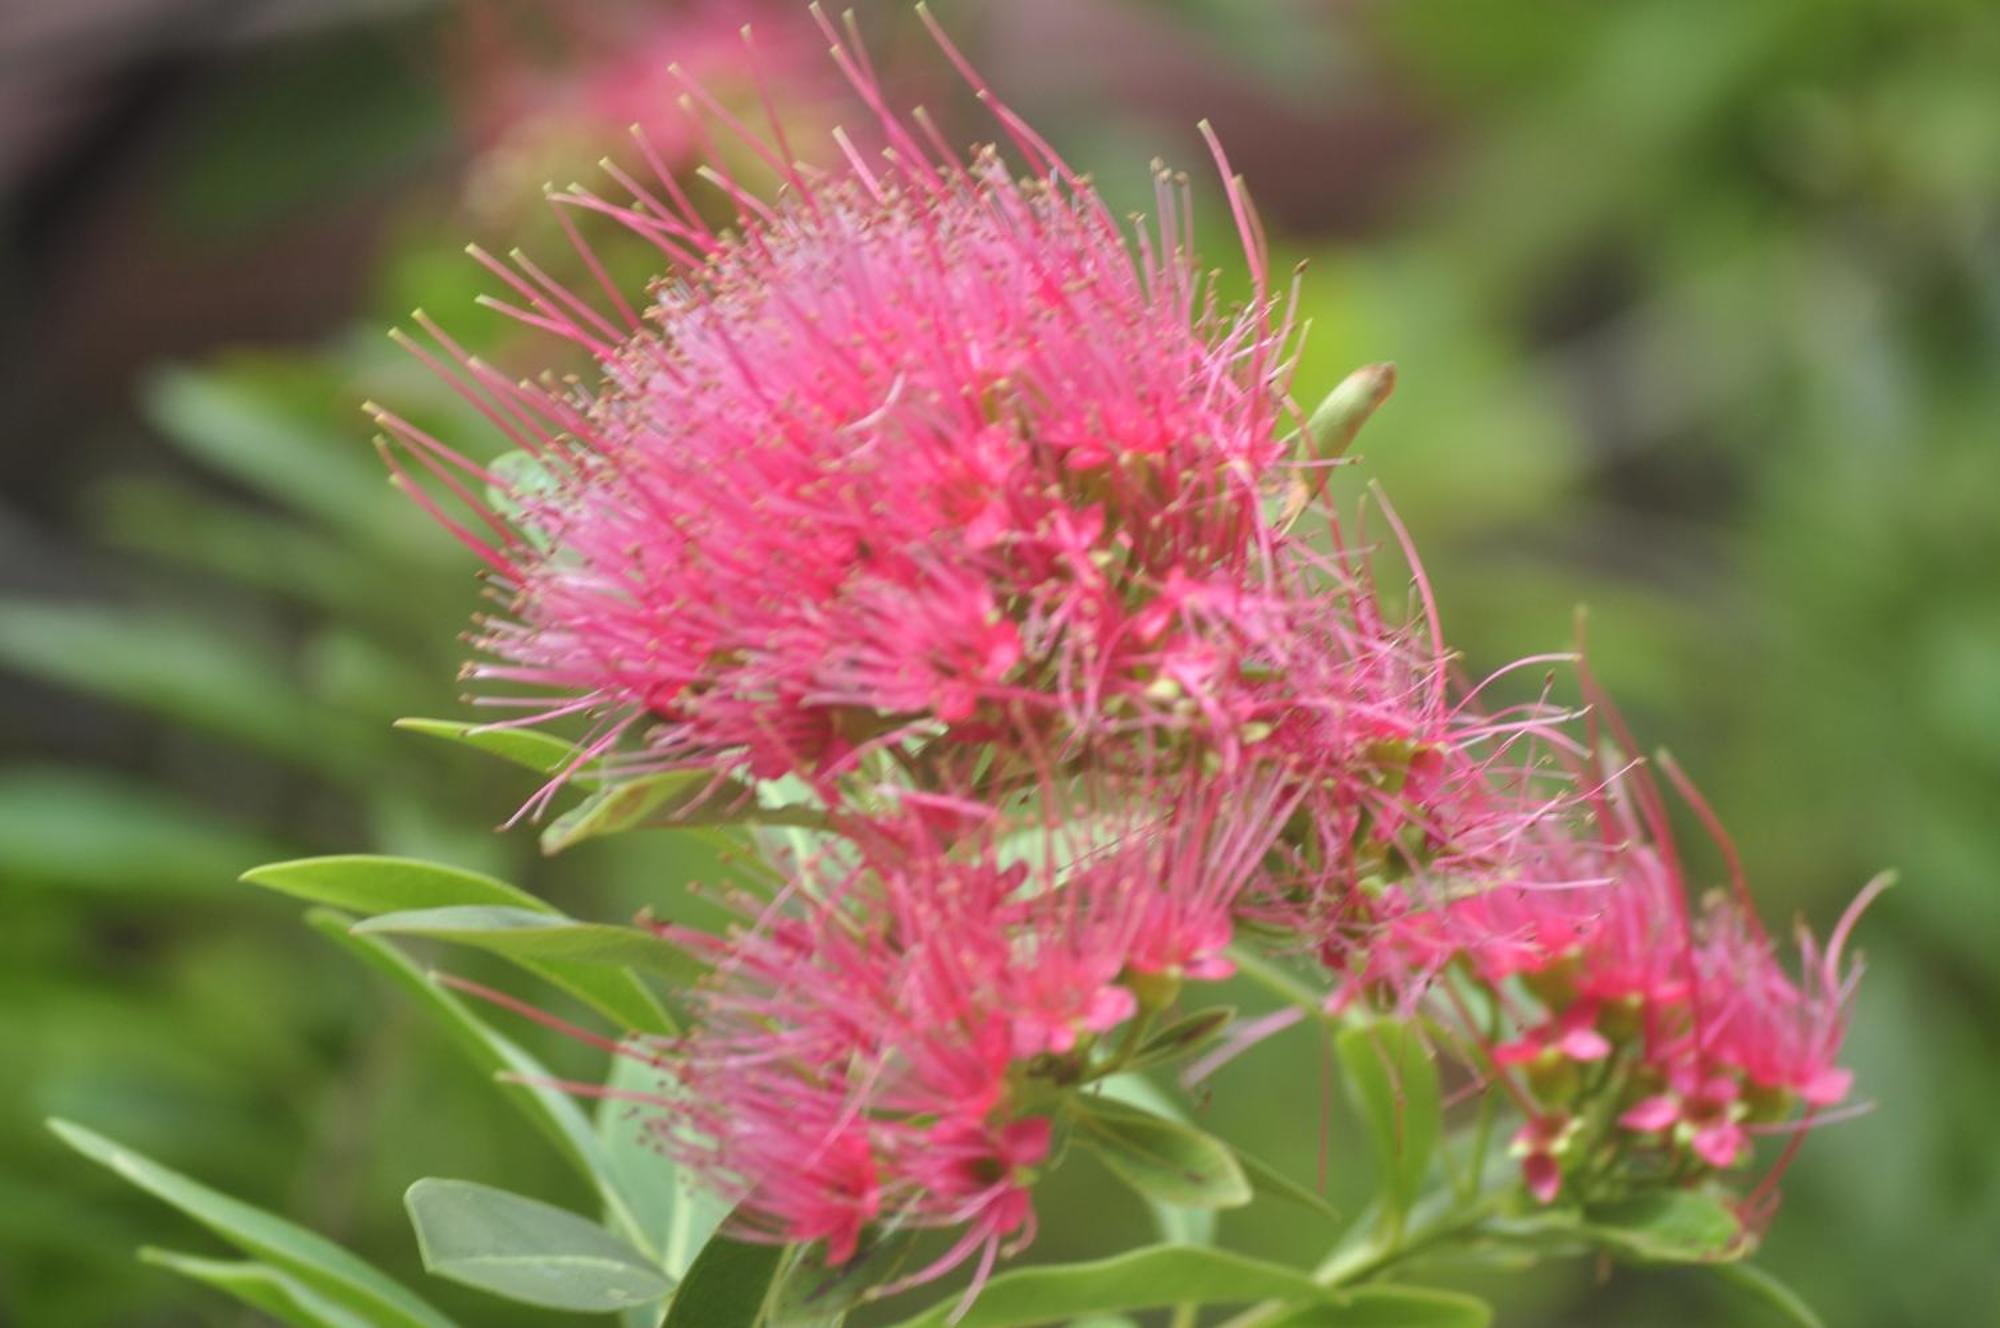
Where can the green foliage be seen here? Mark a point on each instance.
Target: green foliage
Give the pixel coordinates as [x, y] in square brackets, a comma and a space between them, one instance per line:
[1140, 1279]
[1394, 1084]
[667, 801]
[1379, 1306]
[672, 1213]
[369, 883]
[727, 1286]
[1767, 1288]
[527, 1250]
[1674, 1226]
[529, 748]
[321, 1265]
[523, 1078]
[589, 960]
[259, 1286]
[88, 830]
[1166, 1161]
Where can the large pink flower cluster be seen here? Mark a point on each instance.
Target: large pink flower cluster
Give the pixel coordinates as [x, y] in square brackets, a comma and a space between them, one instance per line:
[927, 490]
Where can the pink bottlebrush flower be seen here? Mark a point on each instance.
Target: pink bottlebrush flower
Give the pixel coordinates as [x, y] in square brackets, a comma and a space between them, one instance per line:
[881, 1043]
[1412, 796]
[1700, 1034]
[1783, 1035]
[915, 445]
[543, 86]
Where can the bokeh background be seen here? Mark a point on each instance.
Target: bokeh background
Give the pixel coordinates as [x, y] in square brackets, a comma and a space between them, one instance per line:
[1697, 310]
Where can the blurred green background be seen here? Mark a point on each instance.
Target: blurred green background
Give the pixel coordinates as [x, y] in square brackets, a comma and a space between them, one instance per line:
[1697, 310]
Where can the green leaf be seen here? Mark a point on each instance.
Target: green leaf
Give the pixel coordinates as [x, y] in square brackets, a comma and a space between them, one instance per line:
[526, 1250]
[676, 1212]
[196, 673]
[727, 1286]
[364, 883]
[1163, 1160]
[1142, 1279]
[520, 476]
[1183, 1036]
[1267, 1179]
[809, 1294]
[551, 1111]
[589, 960]
[1766, 1287]
[543, 753]
[259, 1286]
[258, 548]
[1391, 1307]
[667, 801]
[247, 435]
[542, 935]
[314, 1260]
[1394, 1084]
[88, 829]
[1674, 1226]
[1176, 1225]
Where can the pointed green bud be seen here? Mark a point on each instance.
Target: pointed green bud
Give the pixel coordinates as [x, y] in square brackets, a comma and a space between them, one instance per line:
[1335, 422]
[1330, 430]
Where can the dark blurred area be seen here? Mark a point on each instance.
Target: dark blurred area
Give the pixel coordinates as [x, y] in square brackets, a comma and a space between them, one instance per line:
[1696, 305]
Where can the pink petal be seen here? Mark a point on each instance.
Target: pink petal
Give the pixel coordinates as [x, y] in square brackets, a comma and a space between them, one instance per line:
[1654, 1113]
[1828, 1087]
[1584, 1044]
[1719, 1145]
[1542, 1176]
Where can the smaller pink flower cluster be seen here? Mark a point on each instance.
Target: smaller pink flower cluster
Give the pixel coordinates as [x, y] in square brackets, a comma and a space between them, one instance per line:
[886, 1044]
[1644, 1043]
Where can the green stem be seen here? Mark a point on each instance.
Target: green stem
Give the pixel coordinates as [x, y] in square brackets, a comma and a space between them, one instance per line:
[1351, 1266]
[1277, 981]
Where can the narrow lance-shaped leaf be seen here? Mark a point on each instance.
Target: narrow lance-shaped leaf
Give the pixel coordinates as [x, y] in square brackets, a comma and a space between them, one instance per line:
[531, 749]
[677, 1213]
[1267, 1179]
[1161, 1159]
[250, 436]
[672, 800]
[591, 961]
[259, 1286]
[1674, 1226]
[727, 1286]
[1182, 1036]
[367, 883]
[810, 1294]
[1394, 1084]
[526, 1250]
[1390, 1307]
[1141, 1279]
[314, 1260]
[1175, 1223]
[1762, 1285]
[526, 1084]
